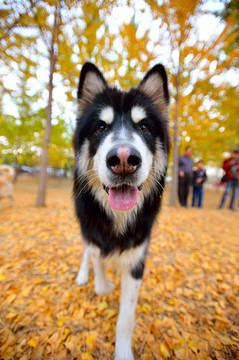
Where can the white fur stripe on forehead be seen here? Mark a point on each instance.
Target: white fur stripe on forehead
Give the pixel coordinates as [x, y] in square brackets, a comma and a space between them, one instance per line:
[107, 115]
[138, 114]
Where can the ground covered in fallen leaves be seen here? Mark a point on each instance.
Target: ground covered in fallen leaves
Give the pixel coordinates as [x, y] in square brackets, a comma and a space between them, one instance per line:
[188, 304]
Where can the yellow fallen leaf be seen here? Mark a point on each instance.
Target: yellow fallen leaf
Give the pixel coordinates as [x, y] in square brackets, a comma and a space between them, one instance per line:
[146, 356]
[197, 271]
[11, 316]
[2, 277]
[145, 309]
[200, 296]
[60, 322]
[90, 339]
[41, 303]
[169, 285]
[64, 268]
[164, 350]
[38, 280]
[102, 306]
[8, 341]
[193, 345]
[32, 342]
[219, 277]
[172, 301]
[74, 344]
[11, 298]
[26, 291]
[45, 288]
[43, 266]
[195, 256]
[85, 356]
[158, 310]
[71, 343]
[111, 313]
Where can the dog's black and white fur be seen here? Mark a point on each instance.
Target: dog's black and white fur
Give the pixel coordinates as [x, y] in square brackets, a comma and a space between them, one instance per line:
[121, 147]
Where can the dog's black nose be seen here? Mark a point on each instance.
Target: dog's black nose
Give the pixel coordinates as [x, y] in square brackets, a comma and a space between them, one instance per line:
[123, 160]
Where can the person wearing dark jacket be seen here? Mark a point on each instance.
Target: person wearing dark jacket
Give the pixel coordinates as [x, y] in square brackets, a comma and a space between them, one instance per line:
[185, 171]
[199, 177]
[231, 167]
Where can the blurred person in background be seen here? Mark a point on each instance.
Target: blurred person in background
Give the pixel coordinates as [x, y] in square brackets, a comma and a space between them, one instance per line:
[199, 177]
[185, 171]
[231, 167]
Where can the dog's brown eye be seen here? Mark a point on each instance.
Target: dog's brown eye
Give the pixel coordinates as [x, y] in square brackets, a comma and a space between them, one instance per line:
[101, 128]
[144, 128]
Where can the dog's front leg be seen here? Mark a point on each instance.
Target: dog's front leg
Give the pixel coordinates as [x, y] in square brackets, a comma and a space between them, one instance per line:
[125, 324]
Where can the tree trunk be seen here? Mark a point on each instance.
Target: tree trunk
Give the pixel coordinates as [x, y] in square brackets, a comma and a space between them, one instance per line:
[176, 143]
[42, 179]
[16, 162]
[16, 165]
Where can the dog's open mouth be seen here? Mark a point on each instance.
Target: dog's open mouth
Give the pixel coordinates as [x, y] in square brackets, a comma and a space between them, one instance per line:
[123, 197]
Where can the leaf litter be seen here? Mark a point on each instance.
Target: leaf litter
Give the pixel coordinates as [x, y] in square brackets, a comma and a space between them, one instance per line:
[188, 304]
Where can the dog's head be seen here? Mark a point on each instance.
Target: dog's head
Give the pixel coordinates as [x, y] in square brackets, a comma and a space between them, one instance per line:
[121, 140]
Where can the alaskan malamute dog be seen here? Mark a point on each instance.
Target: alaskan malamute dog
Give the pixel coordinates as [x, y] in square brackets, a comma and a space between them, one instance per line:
[121, 153]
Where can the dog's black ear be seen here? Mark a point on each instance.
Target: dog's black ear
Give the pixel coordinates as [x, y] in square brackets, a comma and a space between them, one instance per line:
[91, 84]
[155, 86]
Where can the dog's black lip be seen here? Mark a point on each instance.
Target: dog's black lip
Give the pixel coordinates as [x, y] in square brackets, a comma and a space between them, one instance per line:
[106, 188]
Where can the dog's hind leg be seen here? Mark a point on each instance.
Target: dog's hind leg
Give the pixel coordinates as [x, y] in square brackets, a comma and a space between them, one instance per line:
[125, 324]
[83, 274]
[11, 200]
[102, 285]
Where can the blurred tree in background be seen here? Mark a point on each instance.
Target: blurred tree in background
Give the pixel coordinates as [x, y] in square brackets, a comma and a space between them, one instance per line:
[23, 131]
[44, 43]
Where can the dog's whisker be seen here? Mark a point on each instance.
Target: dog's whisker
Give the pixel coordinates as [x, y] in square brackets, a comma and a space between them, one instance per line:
[83, 175]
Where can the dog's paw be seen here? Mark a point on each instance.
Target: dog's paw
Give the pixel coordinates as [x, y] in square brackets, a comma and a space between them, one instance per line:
[125, 355]
[105, 288]
[82, 278]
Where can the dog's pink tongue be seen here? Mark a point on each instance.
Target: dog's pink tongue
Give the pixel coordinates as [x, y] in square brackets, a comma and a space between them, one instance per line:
[123, 198]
